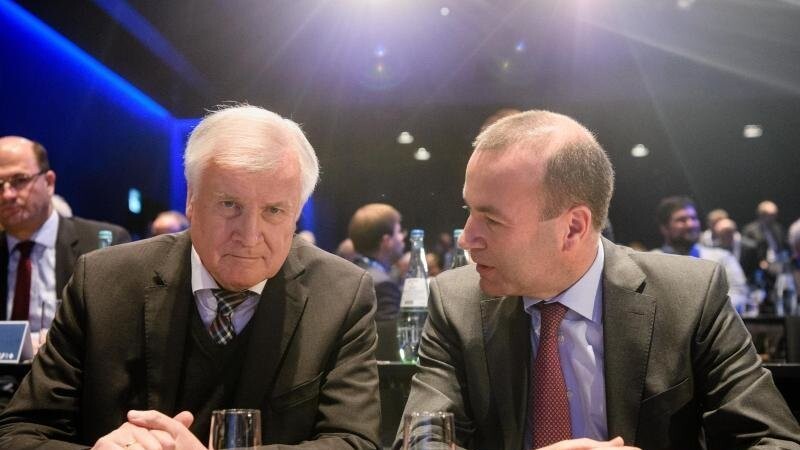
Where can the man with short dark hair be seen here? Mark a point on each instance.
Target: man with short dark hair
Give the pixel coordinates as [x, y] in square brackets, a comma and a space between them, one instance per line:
[35, 238]
[378, 237]
[680, 227]
[560, 339]
[235, 312]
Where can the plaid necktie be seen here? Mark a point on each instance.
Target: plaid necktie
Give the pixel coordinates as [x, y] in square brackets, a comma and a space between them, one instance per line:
[548, 417]
[221, 328]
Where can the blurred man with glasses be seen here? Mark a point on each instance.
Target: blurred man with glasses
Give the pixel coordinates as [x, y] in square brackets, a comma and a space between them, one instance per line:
[38, 248]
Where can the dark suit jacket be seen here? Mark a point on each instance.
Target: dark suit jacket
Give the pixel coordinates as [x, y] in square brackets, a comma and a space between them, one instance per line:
[75, 237]
[117, 344]
[679, 364]
[755, 232]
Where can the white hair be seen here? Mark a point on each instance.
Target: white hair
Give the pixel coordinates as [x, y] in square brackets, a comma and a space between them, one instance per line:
[250, 138]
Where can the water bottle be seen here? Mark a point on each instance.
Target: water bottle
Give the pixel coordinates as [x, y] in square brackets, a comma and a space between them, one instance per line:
[104, 238]
[460, 257]
[414, 301]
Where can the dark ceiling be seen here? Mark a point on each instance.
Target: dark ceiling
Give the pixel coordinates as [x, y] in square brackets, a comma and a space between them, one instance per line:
[295, 54]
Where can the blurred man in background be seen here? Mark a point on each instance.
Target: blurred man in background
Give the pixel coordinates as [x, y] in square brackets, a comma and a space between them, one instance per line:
[38, 247]
[680, 227]
[168, 222]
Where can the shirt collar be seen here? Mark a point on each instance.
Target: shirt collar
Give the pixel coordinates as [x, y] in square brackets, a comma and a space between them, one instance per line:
[582, 296]
[201, 279]
[45, 236]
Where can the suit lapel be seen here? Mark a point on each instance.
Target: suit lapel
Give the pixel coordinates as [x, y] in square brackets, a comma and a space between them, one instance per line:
[66, 244]
[273, 327]
[506, 334]
[628, 317]
[166, 318]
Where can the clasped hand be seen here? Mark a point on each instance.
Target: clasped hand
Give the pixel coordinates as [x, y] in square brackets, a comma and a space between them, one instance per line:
[152, 430]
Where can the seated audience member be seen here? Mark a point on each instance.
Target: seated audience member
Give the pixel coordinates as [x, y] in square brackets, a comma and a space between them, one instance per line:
[233, 313]
[794, 244]
[680, 227]
[168, 222]
[558, 334]
[378, 237]
[39, 247]
[346, 250]
[742, 247]
[709, 237]
[768, 234]
[433, 261]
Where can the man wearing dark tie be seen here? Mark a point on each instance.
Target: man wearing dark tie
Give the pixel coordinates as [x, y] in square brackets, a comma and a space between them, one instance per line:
[38, 247]
[558, 338]
[235, 312]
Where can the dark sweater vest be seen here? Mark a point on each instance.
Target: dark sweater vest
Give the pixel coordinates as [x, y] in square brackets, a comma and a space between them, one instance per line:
[211, 373]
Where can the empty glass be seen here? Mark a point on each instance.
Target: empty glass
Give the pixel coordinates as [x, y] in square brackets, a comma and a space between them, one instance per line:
[235, 429]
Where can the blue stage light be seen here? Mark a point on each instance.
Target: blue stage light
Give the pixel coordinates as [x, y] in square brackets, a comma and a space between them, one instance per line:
[39, 39]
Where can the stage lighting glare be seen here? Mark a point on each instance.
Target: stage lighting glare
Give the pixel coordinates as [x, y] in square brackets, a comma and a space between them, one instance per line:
[639, 151]
[520, 47]
[752, 131]
[445, 11]
[405, 138]
[422, 154]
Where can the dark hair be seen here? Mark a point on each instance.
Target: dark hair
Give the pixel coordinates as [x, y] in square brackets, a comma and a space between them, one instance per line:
[669, 205]
[41, 156]
[369, 224]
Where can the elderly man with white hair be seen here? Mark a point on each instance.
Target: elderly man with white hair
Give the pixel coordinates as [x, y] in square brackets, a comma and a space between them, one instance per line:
[233, 313]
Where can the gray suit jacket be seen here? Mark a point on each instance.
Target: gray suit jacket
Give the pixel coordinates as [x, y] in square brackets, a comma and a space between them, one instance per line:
[117, 344]
[75, 237]
[680, 369]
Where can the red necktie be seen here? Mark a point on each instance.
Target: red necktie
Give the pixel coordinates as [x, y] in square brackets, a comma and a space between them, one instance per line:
[22, 289]
[549, 419]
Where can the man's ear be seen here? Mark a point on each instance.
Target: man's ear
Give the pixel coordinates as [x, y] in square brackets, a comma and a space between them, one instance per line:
[189, 204]
[50, 179]
[578, 222]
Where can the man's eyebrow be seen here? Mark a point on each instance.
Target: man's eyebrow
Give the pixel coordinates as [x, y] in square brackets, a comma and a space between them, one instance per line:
[483, 209]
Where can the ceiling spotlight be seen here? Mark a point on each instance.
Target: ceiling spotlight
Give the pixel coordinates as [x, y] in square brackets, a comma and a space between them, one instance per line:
[445, 11]
[422, 154]
[380, 51]
[752, 131]
[685, 4]
[639, 151]
[520, 47]
[405, 138]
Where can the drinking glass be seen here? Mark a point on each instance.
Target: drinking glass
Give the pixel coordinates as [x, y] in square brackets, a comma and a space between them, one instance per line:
[235, 429]
[428, 431]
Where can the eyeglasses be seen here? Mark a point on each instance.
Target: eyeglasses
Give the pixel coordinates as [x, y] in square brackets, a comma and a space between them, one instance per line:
[19, 181]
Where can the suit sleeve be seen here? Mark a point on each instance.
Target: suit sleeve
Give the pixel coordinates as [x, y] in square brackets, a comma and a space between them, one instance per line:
[742, 408]
[440, 384]
[349, 408]
[43, 414]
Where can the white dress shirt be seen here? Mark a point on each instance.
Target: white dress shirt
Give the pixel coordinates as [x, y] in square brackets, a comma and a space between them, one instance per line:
[203, 283]
[44, 301]
[581, 351]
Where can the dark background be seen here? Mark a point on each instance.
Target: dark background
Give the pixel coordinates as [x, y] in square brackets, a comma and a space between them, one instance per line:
[681, 77]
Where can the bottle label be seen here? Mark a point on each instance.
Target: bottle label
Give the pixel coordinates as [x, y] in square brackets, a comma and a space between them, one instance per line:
[415, 293]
